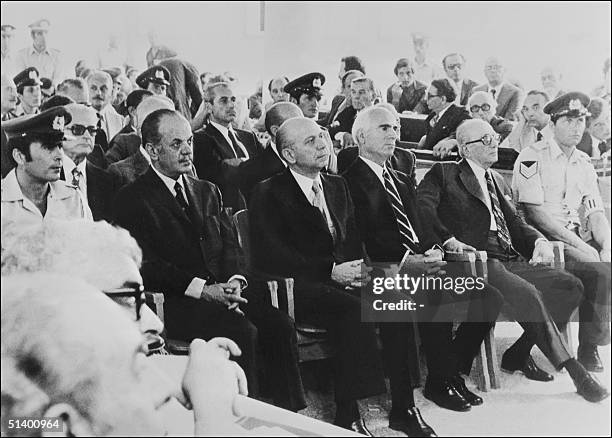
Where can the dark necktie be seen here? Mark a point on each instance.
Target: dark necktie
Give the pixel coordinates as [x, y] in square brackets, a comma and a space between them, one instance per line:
[180, 198]
[317, 201]
[101, 137]
[409, 237]
[235, 145]
[76, 177]
[603, 147]
[503, 235]
[493, 92]
[539, 136]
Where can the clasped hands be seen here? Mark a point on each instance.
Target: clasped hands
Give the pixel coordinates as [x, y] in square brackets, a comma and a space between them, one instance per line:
[228, 294]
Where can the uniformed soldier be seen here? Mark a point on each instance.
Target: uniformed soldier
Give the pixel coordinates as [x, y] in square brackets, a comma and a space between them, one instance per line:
[47, 60]
[30, 95]
[305, 92]
[32, 191]
[155, 79]
[557, 185]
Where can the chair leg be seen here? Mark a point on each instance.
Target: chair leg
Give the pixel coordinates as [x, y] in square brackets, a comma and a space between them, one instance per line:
[493, 365]
[568, 337]
[483, 382]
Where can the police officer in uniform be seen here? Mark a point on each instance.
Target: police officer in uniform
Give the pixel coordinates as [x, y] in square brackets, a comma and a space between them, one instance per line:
[33, 192]
[305, 92]
[155, 79]
[30, 95]
[557, 185]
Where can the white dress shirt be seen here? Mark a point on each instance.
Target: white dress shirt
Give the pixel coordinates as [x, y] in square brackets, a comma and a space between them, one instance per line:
[68, 165]
[225, 132]
[306, 184]
[480, 176]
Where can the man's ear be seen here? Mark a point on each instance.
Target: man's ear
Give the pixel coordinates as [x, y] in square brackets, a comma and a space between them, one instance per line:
[70, 420]
[152, 151]
[18, 156]
[288, 155]
[274, 130]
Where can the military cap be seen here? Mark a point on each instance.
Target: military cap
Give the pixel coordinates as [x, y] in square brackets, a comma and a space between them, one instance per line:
[29, 76]
[7, 28]
[572, 104]
[157, 74]
[48, 125]
[42, 24]
[309, 84]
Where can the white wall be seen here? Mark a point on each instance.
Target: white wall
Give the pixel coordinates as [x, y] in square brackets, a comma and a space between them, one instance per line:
[302, 37]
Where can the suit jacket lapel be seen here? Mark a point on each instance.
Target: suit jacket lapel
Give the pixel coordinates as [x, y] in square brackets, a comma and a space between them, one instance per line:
[331, 201]
[294, 198]
[226, 149]
[195, 203]
[470, 182]
[164, 196]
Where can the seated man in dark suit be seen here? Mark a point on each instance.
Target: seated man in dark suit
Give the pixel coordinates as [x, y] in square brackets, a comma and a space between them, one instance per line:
[269, 162]
[387, 218]
[97, 186]
[219, 149]
[189, 254]
[302, 225]
[596, 138]
[341, 101]
[443, 120]
[466, 206]
[407, 94]
[131, 103]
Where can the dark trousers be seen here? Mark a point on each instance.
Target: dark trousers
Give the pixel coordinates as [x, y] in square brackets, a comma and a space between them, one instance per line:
[187, 318]
[594, 310]
[541, 299]
[358, 371]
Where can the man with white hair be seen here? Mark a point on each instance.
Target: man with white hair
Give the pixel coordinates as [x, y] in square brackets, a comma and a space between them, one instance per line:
[482, 106]
[551, 82]
[508, 96]
[49, 368]
[101, 87]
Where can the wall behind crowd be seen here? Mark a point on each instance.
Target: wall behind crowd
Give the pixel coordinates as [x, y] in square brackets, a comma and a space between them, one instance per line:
[313, 36]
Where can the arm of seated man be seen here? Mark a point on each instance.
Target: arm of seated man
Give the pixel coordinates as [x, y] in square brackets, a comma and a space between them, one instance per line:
[444, 147]
[600, 228]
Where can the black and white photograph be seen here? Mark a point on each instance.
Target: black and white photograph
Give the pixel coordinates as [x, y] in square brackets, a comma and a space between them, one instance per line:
[305, 218]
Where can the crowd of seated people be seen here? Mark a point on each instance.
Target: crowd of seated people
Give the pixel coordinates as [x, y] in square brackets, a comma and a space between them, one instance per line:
[125, 181]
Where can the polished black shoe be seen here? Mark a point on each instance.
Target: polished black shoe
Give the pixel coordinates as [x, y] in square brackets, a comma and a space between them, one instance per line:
[591, 390]
[357, 426]
[446, 396]
[589, 358]
[468, 395]
[410, 422]
[530, 370]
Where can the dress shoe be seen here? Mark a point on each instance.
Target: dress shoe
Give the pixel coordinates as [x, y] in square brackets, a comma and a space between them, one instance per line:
[410, 422]
[589, 358]
[530, 370]
[591, 390]
[468, 395]
[446, 396]
[357, 426]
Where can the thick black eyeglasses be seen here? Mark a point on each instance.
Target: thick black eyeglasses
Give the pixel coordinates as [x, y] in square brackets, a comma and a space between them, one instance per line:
[486, 140]
[80, 130]
[484, 107]
[129, 290]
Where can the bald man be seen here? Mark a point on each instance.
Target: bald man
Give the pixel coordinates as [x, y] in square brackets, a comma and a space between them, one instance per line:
[302, 226]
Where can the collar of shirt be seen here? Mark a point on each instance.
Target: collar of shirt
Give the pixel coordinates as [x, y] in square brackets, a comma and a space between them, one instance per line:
[273, 146]
[145, 154]
[376, 168]
[169, 182]
[497, 90]
[11, 190]
[33, 51]
[225, 132]
[68, 165]
[441, 113]
[306, 183]
[595, 152]
[556, 152]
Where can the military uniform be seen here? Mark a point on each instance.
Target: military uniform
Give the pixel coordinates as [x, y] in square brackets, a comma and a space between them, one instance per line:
[63, 200]
[309, 84]
[28, 77]
[567, 189]
[157, 74]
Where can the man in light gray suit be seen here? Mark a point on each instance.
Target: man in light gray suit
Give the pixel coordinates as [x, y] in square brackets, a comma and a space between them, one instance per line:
[508, 96]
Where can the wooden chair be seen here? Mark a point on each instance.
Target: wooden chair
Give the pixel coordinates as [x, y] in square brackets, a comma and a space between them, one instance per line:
[155, 300]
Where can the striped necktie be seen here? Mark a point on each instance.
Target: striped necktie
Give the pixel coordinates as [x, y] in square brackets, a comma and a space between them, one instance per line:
[503, 235]
[317, 201]
[409, 237]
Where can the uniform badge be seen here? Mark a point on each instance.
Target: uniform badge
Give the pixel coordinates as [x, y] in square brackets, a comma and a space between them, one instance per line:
[316, 82]
[528, 168]
[159, 74]
[32, 74]
[575, 104]
[58, 123]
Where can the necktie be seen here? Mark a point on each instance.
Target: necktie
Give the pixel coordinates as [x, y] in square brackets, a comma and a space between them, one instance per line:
[409, 237]
[180, 198]
[76, 177]
[317, 201]
[101, 137]
[434, 120]
[539, 136]
[503, 235]
[235, 145]
[603, 147]
[493, 92]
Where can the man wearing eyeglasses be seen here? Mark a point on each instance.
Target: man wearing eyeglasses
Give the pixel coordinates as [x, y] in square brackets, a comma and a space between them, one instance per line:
[508, 96]
[96, 185]
[482, 106]
[453, 64]
[558, 187]
[468, 207]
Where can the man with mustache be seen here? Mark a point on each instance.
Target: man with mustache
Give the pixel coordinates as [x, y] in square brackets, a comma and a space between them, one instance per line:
[533, 125]
[32, 191]
[553, 180]
[101, 93]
